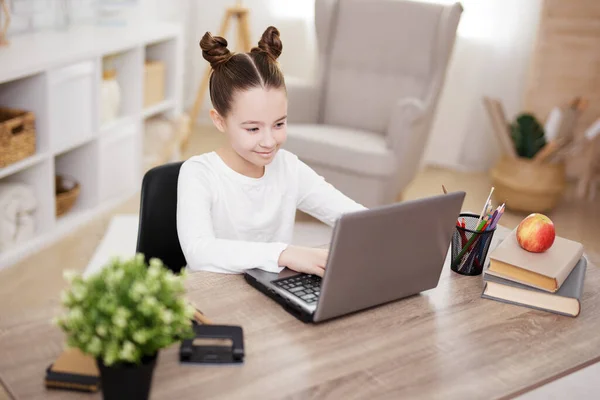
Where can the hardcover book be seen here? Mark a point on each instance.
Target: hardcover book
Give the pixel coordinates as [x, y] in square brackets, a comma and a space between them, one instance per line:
[565, 301]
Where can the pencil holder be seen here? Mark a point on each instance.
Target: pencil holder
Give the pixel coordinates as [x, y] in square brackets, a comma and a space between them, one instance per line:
[469, 246]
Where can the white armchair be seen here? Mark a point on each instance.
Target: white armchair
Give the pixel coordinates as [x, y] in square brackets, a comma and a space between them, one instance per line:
[364, 123]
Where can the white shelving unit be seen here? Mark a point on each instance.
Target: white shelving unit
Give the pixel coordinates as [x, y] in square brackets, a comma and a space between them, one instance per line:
[58, 76]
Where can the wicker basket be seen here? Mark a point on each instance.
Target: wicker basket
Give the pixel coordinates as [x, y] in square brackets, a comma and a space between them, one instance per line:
[67, 192]
[526, 186]
[17, 135]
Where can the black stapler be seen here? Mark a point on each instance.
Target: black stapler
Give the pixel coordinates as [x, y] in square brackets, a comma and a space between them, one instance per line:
[213, 344]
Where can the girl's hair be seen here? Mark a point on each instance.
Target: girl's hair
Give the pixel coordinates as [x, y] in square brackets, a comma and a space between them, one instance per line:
[241, 71]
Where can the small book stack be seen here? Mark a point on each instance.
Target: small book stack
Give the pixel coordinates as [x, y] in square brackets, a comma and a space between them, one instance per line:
[73, 370]
[549, 281]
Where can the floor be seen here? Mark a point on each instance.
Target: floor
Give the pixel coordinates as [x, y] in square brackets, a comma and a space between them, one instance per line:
[38, 280]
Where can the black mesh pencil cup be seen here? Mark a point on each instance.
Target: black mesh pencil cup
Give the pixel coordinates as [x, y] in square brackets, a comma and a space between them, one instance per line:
[469, 246]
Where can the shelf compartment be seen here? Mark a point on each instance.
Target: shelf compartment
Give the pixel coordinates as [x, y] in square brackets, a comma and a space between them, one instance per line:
[29, 94]
[161, 74]
[72, 91]
[120, 161]
[126, 69]
[80, 164]
[115, 125]
[37, 178]
[75, 145]
[23, 164]
[162, 107]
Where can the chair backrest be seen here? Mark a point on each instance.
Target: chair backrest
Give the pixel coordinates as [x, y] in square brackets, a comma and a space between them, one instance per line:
[157, 231]
[374, 52]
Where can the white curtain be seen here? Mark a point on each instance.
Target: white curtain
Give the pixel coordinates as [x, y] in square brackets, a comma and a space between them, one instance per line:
[295, 19]
[491, 58]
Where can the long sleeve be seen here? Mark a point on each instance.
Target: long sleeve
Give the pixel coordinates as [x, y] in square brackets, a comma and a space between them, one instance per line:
[201, 248]
[320, 199]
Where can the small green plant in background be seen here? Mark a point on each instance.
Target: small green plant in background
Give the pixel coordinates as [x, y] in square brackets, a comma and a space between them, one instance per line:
[527, 135]
[126, 311]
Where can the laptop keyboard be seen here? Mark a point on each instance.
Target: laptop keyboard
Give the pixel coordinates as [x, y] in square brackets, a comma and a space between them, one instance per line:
[305, 287]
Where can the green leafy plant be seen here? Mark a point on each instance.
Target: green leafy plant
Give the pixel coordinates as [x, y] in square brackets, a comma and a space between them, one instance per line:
[527, 135]
[126, 311]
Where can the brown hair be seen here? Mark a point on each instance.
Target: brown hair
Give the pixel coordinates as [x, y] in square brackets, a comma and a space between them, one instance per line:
[241, 71]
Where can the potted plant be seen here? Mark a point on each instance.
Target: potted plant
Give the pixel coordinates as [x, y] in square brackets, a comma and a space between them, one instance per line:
[123, 316]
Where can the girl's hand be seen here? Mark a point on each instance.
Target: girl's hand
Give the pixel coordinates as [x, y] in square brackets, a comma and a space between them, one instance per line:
[304, 259]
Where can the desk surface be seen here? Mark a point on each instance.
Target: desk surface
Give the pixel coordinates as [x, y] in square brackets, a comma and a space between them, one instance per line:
[446, 341]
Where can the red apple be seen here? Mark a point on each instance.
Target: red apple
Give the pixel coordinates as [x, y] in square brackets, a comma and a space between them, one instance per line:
[536, 233]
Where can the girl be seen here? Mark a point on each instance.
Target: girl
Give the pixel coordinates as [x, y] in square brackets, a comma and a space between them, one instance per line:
[236, 205]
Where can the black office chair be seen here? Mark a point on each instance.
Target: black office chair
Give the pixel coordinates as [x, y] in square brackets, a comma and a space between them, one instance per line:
[157, 230]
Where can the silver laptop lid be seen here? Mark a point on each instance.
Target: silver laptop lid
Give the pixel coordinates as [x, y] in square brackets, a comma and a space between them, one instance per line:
[387, 253]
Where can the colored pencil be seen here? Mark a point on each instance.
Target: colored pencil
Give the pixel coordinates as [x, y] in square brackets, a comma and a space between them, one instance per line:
[491, 225]
[199, 315]
[499, 213]
[485, 206]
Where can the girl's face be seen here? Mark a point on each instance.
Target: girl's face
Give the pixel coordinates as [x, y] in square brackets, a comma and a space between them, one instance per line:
[256, 124]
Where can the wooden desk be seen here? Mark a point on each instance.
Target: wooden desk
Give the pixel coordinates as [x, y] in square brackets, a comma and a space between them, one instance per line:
[444, 343]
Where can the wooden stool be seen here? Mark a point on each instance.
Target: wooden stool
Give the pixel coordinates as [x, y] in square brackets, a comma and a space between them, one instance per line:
[4, 25]
[241, 15]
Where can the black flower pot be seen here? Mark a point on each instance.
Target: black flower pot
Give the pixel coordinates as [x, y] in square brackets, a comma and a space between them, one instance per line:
[127, 381]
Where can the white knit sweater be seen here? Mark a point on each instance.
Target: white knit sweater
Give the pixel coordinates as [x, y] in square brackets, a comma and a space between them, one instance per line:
[228, 222]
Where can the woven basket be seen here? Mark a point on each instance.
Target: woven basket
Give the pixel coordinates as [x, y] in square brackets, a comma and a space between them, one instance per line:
[526, 186]
[17, 135]
[66, 195]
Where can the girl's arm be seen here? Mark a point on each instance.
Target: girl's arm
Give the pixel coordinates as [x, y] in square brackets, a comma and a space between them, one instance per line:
[320, 199]
[196, 235]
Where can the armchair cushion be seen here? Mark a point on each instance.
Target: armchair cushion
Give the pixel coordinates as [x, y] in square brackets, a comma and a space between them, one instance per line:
[303, 101]
[354, 150]
[380, 51]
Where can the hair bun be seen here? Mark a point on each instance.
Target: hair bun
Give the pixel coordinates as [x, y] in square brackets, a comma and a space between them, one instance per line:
[270, 43]
[214, 49]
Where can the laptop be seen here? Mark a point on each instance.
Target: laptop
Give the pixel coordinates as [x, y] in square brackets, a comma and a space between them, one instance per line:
[376, 256]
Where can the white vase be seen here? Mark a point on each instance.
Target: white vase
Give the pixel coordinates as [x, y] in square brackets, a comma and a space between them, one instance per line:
[110, 98]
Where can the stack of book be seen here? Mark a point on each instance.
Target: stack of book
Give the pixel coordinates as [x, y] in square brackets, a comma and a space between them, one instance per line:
[549, 281]
[73, 370]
